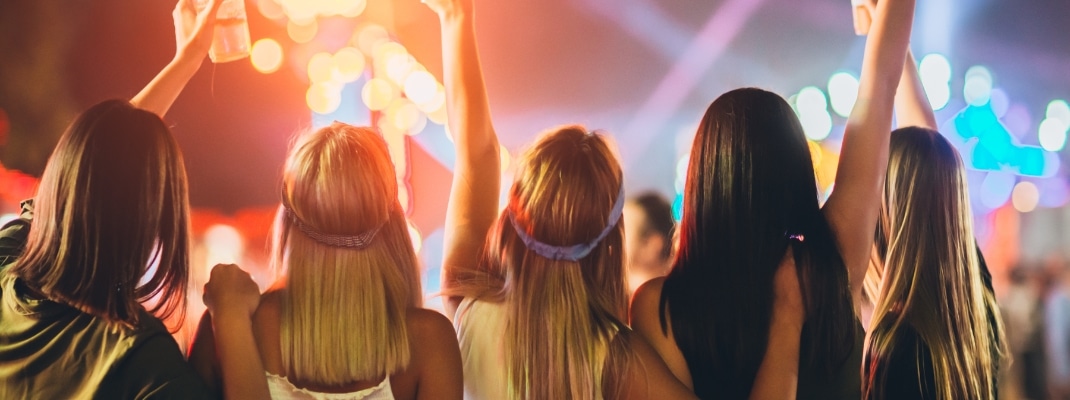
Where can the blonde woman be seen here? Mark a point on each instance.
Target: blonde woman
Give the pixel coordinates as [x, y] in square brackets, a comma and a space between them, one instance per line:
[935, 331]
[537, 292]
[345, 322]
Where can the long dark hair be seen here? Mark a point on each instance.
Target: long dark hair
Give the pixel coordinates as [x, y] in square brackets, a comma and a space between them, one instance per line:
[750, 193]
[112, 201]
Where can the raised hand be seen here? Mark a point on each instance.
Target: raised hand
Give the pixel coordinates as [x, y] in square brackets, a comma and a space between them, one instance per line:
[193, 30]
[231, 291]
[450, 8]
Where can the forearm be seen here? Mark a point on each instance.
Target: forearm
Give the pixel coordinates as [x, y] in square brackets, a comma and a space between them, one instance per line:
[239, 358]
[886, 50]
[158, 96]
[912, 106]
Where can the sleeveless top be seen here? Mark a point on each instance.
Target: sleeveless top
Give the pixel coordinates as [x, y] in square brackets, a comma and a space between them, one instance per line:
[281, 389]
[480, 326]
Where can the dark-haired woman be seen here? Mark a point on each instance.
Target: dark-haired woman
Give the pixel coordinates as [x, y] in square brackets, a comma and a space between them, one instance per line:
[750, 199]
[105, 237]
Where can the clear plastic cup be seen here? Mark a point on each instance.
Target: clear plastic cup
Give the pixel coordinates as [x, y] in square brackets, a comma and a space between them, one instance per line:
[231, 41]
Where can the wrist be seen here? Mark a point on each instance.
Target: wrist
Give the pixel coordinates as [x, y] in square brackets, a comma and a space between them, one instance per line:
[230, 317]
[455, 17]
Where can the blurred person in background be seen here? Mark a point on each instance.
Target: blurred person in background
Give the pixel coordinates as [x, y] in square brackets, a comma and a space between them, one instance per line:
[648, 238]
[1057, 329]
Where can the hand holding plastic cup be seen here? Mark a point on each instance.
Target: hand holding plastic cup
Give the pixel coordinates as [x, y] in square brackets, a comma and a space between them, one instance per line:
[231, 37]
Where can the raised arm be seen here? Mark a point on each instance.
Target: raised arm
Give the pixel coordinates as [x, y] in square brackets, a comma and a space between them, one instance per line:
[193, 37]
[473, 202]
[912, 107]
[231, 297]
[853, 206]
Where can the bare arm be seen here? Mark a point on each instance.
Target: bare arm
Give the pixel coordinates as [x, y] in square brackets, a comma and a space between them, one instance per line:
[473, 202]
[435, 341]
[193, 36]
[853, 206]
[232, 297]
[778, 376]
[912, 106]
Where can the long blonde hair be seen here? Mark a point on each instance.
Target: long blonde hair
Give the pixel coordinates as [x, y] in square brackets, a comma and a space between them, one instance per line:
[344, 309]
[562, 315]
[931, 277]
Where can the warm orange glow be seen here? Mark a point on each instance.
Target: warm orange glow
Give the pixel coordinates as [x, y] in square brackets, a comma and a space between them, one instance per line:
[399, 66]
[270, 9]
[355, 8]
[378, 94]
[384, 53]
[348, 64]
[403, 114]
[323, 98]
[437, 100]
[302, 33]
[266, 55]
[369, 37]
[319, 67]
[414, 235]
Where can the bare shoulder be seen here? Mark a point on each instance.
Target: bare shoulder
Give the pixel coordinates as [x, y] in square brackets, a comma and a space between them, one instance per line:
[424, 323]
[646, 303]
[270, 308]
[267, 322]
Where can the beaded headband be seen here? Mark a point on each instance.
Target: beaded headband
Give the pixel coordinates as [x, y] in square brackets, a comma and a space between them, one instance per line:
[570, 253]
[358, 241]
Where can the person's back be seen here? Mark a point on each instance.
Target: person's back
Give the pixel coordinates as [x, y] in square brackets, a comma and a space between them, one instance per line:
[75, 267]
[344, 320]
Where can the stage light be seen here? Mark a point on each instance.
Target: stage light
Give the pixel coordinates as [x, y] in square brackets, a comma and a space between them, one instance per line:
[438, 100]
[1052, 134]
[439, 116]
[266, 55]
[323, 98]
[1025, 197]
[978, 87]
[399, 66]
[938, 95]
[302, 33]
[378, 94]
[355, 8]
[369, 37]
[843, 92]
[224, 245]
[1059, 110]
[817, 124]
[935, 69]
[811, 99]
[349, 64]
[270, 9]
[403, 114]
[319, 67]
[421, 87]
[996, 189]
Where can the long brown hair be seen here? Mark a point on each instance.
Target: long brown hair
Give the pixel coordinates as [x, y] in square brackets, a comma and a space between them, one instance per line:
[562, 315]
[932, 280]
[344, 309]
[113, 202]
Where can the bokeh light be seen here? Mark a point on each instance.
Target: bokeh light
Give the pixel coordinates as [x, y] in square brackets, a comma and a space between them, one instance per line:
[1059, 110]
[270, 9]
[378, 94]
[1052, 134]
[266, 55]
[978, 87]
[302, 33]
[1025, 197]
[935, 74]
[403, 114]
[421, 87]
[369, 37]
[812, 107]
[843, 92]
[224, 245]
[348, 64]
[320, 67]
[323, 97]
[1000, 102]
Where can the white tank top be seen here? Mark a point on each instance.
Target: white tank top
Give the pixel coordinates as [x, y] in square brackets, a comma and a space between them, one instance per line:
[281, 389]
